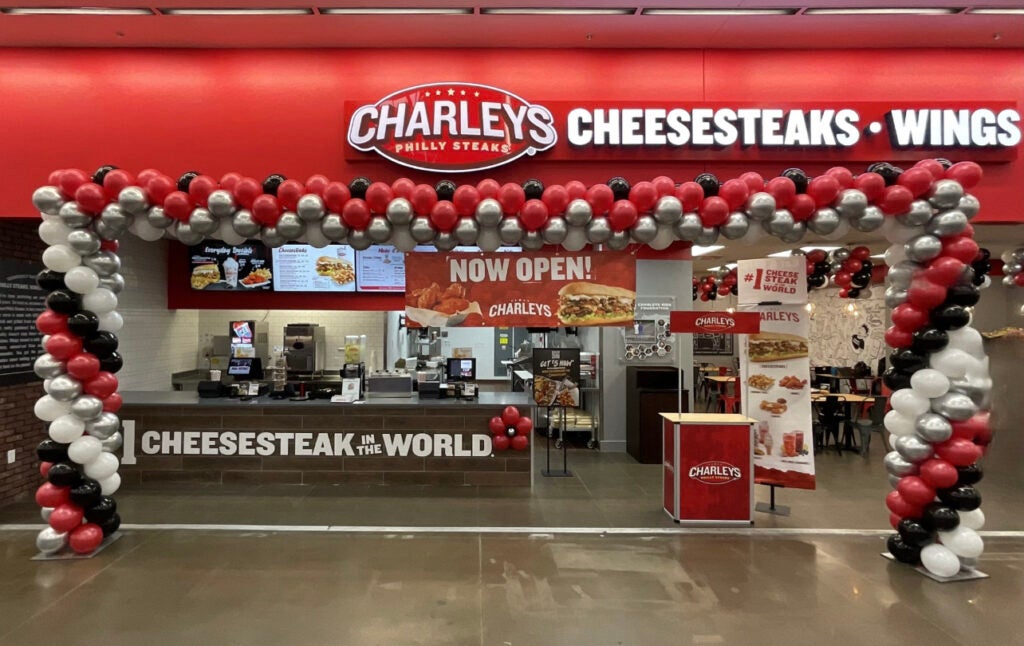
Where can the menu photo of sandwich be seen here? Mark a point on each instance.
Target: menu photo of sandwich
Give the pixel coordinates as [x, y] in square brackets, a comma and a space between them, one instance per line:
[766, 347]
[205, 275]
[338, 270]
[583, 303]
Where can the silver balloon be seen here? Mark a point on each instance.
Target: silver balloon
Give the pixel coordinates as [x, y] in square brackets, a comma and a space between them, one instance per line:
[779, 223]
[760, 206]
[946, 194]
[45, 513]
[488, 240]
[933, 428]
[113, 282]
[106, 425]
[923, 248]
[969, 206]
[50, 541]
[107, 232]
[47, 200]
[466, 231]
[47, 366]
[220, 203]
[445, 241]
[104, 263]
[919, 213]
[334, 228]
[901, 274]
[379, 229]
[133, 200]
[511, 230]
[618, 241]
[663, 239]
[894, 481]
[87, 407]
[895, 297]
[840, 254]
[115, 217]
[576, 239]
[708, 236]
[290, 226]
[644, 230]
[244, 223]
[851, 204]
[271, 237]
[157, 218]
[579, 213]
[956, 406]
[948, 223]
[735, 226]
[691, 226]
[897, 466]
[113, 443]
[978, 390]
[1009, 281]
[796, 233]
[72, 216]
[64, 388]
[187, 236]
[913, 449]
[668, 210]
[532, 241]
[359, 240]
[824, 221]
[202, 222]
[488, 212]
[399, 211]
[421, 229]
[555, 230]
[84, 242]
[871, 220]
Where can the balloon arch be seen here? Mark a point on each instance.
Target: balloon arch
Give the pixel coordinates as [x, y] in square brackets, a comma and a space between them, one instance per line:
[938, 368]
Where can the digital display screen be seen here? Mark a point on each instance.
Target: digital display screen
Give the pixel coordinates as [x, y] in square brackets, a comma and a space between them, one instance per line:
[461, 369]
[239, 367]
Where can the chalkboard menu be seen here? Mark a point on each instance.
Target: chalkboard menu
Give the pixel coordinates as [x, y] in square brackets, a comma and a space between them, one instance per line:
[21, 301]
[713, 344]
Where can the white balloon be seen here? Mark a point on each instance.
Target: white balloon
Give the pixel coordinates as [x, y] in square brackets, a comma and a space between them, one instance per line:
[899, 424]
[895, 254]
[963, 541]
[46, 386]
[909, 403]
[974, 519]
[110, 484]
[104, 466]
[82, 280]
[978, 369]
[61, 257]
[951, 362]
[111, 322]
[929, 383]
[66, 429]
[143, 229]
[968, 340]
[49, 409]
[54, 232]
[100, 301]
[85, 449]
[940, 560]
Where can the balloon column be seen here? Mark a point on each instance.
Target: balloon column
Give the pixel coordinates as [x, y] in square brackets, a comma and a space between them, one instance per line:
[710, 287]
[510, 429]
[1013, 267]
[939, 373]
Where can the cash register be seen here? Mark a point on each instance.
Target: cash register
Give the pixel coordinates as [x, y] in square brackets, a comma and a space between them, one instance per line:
[461, 377]
[247, 373]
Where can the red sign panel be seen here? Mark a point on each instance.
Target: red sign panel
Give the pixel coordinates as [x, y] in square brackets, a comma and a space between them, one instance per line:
[715, 322]
[714, 473]
[506, 289]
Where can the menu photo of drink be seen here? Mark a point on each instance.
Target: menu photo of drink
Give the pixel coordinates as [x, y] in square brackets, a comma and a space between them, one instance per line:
[304, 268]
[217, 266]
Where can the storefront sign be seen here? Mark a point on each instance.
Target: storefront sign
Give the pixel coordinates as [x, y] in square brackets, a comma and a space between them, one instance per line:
[556, 377]
[715, 322]
[772, 280]
[541, 289]
[21, 300]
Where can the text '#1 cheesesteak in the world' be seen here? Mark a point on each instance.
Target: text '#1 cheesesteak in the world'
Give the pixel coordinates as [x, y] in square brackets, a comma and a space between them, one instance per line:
[544, 289]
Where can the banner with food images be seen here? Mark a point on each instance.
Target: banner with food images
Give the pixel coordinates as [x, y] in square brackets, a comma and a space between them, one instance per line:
[536, 289]
[218, 266]
[556, 377]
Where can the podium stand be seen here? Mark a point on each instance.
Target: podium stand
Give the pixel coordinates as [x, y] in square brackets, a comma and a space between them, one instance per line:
[708, 468]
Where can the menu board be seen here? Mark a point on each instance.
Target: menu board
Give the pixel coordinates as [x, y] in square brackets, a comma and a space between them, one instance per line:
[304, 268]
[381, 268]
[21, 300]
[217, 266]
[556, 377]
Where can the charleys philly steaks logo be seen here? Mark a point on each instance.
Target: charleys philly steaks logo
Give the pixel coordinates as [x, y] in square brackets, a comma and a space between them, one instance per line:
[452, 127]
[715, 472]
[716, 323]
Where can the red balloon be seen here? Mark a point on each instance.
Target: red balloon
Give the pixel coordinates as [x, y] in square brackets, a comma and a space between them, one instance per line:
[488, 188]
[83, 366]
[512, 197]
[534, 215]
[556, 198]
[860, 253]
[817, 255]
[466, 198]
[705, 297]
[159, 187]
[960, 247]
[735, 192]
[623, 215]
[378, 195]
[894, 520]
[802, 207]
[63, 345]
[86, 538]
[336, 196]
[938, 474]
[933, 166]
[145, 175]
[316, 184]
[823, 190]
[178, 205]
[600, 198]
[916, 180]
[53, 179]
[50, 322]
[1018, 279]
[958, 451]
[65, 517]
[691, 195]
[246, 191]
[842, 175]
[90, 197]
[852, 265]
[201, 186]
[754, 181]
[576, 189]
[895, 200]
[520, 443]
[500, 442]
[112, 403]
[724, 290]
[944, 270]
[714, 211]
[901, 507]
[925, 294]
[288, 193]
[510, 415]
[70, 180]
[48, 495]
[843, 277]
[110, 245]
[971, 428]
[643, 195]
[228, 182]
[664, 185]
[783, 190]
[102, 385]
[423, 199]
[909, 318]
[983, 438]
[915, 491]
[967, 173]
[844, 293]
[403, 187]
[355, 214]
[44, 468]
[444, 216]
[897, 338]
[872, 185]
[524, 426]
[496, 426]
[266, 210]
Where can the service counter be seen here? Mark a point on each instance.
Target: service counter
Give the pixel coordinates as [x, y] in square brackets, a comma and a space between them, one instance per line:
[178, 437]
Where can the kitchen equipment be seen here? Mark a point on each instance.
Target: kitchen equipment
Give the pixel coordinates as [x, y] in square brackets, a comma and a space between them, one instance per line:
[304, 348]
[389, 384]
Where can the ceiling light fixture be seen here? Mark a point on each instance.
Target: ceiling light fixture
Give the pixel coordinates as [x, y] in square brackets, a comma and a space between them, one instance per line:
[883, 11]
[718, 12]
[75, 11]
[223, 11]
[997, 12]
[698, 250]
[396, 11]
[555, 11]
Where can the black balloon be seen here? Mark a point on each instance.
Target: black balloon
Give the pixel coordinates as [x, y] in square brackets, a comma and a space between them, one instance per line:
[888, 172]
[101, 173]
[929, 339]
[50, 451]
[533, 188]
[902, 551]
[969, 475]
[358, 187]
[49, 280]
[84, 323]
[63, 474]
[961, 498]
[101, 344]
[185, 180]
[939, 517]
[861, 279]
[110, 525]
[816, 281]
[822, 267]
[945, 162]
[63, 301]
[113, 363]
[798, 177]
[620, 187]
[708, 182]
[853, 292]
[86, 493]
[907, 360]
[866, 265]
[896, 379]
[963, 295]
[950, 317]
[445, 190]
[272, 182]
[102, 510]
[913, 532]
[983, 255]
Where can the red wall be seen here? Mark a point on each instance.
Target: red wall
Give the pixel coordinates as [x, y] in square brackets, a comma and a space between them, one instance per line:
[267, 111]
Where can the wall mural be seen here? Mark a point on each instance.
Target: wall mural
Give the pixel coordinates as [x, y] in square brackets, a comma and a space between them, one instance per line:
[842, 338]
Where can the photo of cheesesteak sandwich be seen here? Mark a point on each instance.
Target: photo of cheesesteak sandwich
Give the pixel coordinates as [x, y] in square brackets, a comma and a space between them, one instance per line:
[590, 303]
[776, 346]
[205, 275]
[337, 269]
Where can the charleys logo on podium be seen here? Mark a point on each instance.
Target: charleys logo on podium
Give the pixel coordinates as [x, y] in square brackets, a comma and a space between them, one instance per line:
[715, 472]
[452, 127]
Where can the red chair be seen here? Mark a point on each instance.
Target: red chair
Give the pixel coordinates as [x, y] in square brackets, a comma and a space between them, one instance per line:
[730, 403]
[723, 371]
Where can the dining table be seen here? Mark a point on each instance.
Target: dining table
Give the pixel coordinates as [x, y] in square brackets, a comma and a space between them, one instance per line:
[852, 412]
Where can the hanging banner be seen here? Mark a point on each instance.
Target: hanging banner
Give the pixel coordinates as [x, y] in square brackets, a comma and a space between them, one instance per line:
[715, 322]
[772, 280]
[501, 289]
